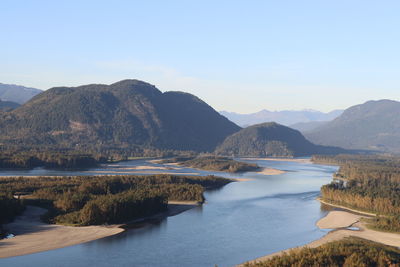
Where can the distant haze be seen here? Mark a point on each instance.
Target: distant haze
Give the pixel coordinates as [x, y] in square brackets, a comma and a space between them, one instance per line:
[234, 55]
[285, 117]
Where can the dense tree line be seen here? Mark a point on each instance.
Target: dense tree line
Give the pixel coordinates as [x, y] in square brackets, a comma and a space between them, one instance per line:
[367, 182]
[84, 200]
[27, 159]
[214, 163]
[352, 252]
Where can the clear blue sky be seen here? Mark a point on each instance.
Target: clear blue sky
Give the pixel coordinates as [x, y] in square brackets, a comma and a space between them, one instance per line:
[239, 56]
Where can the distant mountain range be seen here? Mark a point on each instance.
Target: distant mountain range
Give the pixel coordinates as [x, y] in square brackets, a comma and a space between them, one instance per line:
[285, 117]
[131, 113]
[374, 125]
[128, 113]
[306, 127]
[8, 105]
[271, 140]
[16, 93]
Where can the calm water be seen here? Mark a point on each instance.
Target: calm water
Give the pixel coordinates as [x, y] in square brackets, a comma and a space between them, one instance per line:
[240, 222]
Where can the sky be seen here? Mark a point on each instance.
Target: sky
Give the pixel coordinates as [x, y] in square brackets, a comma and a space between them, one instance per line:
[240, 56]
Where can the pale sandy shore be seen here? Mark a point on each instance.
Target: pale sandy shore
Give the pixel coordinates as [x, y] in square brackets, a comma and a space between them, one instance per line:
[339, 221]
[32, 235]
[301, 160]
[144, 167]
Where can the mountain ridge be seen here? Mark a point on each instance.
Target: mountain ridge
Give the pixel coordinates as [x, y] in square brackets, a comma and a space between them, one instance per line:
[125, 113]
[373, 125]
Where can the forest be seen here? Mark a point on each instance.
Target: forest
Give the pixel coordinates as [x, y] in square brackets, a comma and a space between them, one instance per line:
[28, 159]
[91, 200]
[213, 163]
[368, 183]
[353, 252]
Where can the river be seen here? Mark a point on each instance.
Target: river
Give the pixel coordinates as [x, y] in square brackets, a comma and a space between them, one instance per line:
[239, 222]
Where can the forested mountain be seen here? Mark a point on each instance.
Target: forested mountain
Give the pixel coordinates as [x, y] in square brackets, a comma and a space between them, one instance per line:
[124, 114]
[374, 125]
[8, 105]
[17, 93]
[270, 139]
[285, 117]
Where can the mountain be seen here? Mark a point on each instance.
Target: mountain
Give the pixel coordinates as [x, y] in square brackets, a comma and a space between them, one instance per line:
[285, 117]
[8, 105]
[270, 139]
[305, 127]
[17, 93]
[374, 125]
[124, 114]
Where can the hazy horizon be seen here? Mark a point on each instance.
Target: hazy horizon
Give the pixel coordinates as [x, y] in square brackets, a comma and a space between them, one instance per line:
[236, 56]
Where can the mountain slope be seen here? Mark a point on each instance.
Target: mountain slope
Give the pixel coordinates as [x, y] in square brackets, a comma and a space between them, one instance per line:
[270, 139]
[373, 125]
[17, 93]
[285, 117]
[125, 113]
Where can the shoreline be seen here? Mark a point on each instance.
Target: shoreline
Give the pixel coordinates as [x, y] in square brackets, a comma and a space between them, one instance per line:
[346, 208]
[339, 222]
[34, 236]
[300, 160]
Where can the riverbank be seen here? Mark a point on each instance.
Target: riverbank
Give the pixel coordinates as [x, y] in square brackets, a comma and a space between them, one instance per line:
[33, 236]
[343, 224]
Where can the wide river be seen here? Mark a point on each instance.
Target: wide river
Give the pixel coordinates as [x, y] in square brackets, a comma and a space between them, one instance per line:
[240, 222]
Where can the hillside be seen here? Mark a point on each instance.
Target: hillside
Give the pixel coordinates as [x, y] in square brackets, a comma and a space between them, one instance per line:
[374, 125]
[270, 140]
[17, 93]
[285, 117]
[124, 114]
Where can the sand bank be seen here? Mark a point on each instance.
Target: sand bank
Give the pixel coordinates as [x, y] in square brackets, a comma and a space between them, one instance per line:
[338, 219]
[34, 236]
[271, 171]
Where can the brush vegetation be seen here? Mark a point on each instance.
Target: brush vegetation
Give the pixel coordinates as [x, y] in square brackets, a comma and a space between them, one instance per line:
[352, 252]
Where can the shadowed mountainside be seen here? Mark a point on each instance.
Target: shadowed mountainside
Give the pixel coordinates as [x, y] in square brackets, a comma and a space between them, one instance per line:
[123, 114]
[271, 140]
